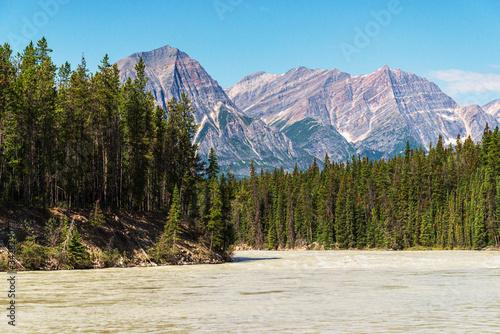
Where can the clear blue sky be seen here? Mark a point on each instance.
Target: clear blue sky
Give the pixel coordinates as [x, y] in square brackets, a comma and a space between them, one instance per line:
[233, 38]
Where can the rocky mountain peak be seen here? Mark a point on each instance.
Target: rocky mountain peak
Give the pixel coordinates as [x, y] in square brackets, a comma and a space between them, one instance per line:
[376, 113]
[237, 139]
[161, 57]
[281, 119]
[172, 72]
[253, 76]
[492, 108]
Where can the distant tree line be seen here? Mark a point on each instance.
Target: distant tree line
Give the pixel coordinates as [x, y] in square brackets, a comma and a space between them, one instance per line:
[448, 197]
[73, 138]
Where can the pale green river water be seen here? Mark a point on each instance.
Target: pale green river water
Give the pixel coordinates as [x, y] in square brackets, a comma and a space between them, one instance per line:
[270, 292]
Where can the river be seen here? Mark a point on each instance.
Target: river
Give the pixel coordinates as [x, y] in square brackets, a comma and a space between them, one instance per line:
[271, 292]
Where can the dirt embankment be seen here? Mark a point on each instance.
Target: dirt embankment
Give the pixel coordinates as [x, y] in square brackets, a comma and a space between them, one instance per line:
[118, 239]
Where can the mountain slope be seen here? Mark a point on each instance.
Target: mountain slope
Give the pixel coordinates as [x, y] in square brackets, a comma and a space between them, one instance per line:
[171, 72]
[375, 113]
[236, 138]
[295, 103]
[493, 108]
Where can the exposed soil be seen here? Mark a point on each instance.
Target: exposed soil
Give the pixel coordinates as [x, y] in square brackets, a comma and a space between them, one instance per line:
[129, 234]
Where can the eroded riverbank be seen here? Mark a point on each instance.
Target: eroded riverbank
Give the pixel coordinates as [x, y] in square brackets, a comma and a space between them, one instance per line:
[55, 239]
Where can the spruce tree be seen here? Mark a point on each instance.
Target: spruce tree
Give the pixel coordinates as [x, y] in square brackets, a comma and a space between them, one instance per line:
[137, 109]
[215, 225]
[174, 220]
[77, 254]
[7, 78]
[213, 168]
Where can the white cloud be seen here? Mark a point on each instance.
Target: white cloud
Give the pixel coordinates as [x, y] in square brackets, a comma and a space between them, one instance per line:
[465, 82]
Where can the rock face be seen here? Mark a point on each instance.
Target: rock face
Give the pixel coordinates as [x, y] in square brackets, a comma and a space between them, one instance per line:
[284, 119]
[375, 114]
[297, 103]
[236, 137]
[493, 108]
[172, 72]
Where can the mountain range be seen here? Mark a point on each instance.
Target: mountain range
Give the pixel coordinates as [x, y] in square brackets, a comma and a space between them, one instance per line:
[236, 138]
[287, 119]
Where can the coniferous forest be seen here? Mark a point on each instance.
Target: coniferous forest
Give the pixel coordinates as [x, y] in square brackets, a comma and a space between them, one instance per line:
[72, 138]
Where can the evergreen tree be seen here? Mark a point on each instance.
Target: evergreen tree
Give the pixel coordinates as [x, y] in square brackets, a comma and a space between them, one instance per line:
[7, 78]
[326, 162]
[173, 227]
[30, 128]
[77, 254]
[215, 223]
[213, 169]
[137, 109]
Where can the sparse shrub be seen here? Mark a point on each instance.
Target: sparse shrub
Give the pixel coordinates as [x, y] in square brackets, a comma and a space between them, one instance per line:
[4, 263]
[96, 218]
[52, 232]
[162, 251]
[31, 254]
[27, 226]
[111, 258]
[26, 229]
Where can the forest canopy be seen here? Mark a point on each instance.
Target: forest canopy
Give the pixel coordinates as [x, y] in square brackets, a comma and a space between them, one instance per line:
[72, 138]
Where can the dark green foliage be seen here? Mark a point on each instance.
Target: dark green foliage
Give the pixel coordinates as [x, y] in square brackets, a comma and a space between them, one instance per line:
[77, 254]
[72, 252]
[78, 138]
[213, 166]
[174, 219]
[215, 224]
[137, 110]
[162, 251]
[445, 198]
[31, 254]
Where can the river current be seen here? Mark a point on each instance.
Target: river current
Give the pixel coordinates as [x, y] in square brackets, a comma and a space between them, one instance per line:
[271, 292]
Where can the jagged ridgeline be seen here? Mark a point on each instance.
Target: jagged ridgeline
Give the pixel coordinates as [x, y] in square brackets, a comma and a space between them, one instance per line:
[71, 138]
[329, 111]
[237, 138]
[286, 119]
